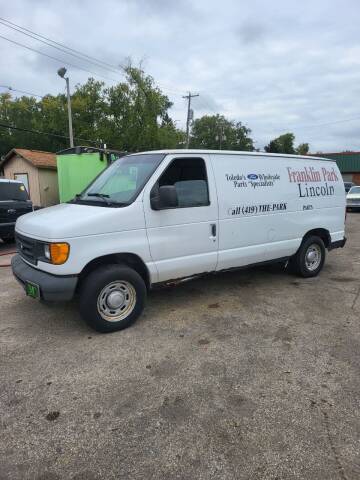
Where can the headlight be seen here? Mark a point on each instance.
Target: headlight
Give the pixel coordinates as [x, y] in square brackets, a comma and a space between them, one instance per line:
[57, 253]
[47, 251]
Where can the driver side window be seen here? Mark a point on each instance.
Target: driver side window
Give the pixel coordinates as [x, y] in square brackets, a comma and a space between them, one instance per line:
[188, 176]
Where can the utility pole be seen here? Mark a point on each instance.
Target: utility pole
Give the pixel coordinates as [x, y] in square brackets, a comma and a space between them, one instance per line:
[189, 96]
[61, 72]
[71, 135]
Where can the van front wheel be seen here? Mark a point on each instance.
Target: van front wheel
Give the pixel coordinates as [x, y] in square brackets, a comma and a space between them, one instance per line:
[112, 297]
[309, 259]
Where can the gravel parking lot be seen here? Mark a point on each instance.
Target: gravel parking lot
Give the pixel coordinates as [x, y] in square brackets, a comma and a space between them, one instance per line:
[251, 374]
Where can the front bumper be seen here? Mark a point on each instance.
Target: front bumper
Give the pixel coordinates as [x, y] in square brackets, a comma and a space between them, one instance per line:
[353, 203]
[52, 287]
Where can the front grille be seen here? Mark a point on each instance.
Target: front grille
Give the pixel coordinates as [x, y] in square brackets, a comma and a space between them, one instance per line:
[27, 248]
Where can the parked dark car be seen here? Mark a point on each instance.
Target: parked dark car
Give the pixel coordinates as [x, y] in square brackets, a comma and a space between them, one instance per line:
[14, 202]
[348, 185]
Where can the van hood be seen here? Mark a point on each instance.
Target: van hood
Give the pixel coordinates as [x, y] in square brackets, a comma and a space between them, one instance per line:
[74, 220]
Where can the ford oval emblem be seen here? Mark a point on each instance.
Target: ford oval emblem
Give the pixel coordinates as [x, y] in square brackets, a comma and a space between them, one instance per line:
[252, 176]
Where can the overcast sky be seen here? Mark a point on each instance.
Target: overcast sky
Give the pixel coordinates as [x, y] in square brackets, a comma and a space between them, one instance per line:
[276, 66]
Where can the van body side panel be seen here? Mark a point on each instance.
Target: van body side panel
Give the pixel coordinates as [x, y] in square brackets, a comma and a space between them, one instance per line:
[180, 239]
[268, 204]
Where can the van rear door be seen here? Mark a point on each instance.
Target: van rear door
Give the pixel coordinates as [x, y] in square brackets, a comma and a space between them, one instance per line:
[184, 240]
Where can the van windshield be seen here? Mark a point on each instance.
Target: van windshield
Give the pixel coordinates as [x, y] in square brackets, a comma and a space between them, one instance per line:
[121, 183]
[13, 191]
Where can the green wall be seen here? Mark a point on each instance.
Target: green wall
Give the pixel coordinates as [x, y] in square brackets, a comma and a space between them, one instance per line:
[348, 162]
[76, 171]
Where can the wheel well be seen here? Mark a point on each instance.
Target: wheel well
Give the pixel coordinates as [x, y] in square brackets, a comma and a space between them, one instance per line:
[322, 233]
[129, 259]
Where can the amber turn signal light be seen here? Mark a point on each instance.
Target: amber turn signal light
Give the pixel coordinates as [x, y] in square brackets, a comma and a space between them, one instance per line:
[59, 253]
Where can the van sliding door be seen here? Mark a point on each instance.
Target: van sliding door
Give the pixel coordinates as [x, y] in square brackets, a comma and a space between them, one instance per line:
[245, 186]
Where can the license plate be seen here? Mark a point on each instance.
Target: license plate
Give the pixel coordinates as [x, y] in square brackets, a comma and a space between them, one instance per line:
[32, 290]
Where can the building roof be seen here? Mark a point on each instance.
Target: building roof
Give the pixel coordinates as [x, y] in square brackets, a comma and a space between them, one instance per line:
[348, 162]
[37, 158]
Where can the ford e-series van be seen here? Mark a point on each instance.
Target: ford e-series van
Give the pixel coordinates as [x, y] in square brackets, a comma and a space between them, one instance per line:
[156, 217]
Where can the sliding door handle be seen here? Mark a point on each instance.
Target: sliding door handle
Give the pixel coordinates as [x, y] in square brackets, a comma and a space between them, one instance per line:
[213, 229]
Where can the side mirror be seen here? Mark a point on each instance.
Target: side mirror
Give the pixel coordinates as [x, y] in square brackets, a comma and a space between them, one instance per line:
[166, 197]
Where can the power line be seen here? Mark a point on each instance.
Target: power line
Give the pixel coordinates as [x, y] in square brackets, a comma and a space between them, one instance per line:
[21, 91]
[73, 65]
[38, 132]
[323, 124]
[76, 53]
[53, 44]
[69, 51]
[54, 58]
[61, 44]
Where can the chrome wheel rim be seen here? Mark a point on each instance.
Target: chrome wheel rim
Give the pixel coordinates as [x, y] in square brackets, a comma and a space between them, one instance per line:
[313, 257]
[116, 301]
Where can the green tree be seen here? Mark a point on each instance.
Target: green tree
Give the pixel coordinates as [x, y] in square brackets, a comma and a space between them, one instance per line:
[302, 149]
[25, 114]
[285, 144]
[282, 144]
[215, 132]
[148, 123]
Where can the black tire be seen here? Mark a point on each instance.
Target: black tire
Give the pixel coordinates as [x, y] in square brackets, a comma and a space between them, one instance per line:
[96, 290]
[299, 262]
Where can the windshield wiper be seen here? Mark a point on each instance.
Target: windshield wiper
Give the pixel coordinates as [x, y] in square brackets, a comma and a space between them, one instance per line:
[104, 197]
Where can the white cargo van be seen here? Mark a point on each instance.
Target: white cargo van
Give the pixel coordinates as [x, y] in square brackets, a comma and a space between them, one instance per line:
[155, 217]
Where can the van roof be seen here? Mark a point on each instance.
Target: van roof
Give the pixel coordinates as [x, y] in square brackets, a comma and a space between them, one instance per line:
[7, 180]
[233, 152]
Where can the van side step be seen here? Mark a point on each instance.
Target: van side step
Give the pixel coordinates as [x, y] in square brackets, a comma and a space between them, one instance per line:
[337, 244]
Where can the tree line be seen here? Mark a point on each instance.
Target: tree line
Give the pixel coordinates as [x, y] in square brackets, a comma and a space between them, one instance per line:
[132, 116]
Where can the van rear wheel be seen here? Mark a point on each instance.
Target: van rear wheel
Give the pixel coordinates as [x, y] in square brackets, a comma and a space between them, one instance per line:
[112, 297]
[309, 259]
